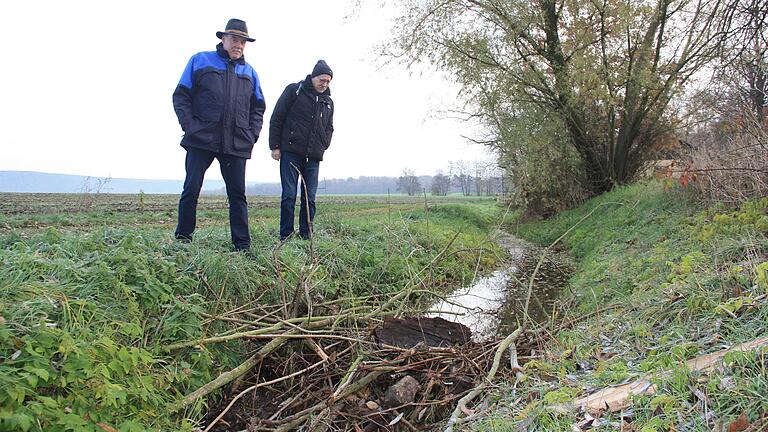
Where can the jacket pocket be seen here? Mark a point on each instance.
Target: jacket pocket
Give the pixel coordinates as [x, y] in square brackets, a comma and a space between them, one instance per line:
[242, 119]
[244, 136]
[205, 121]
[296, 134]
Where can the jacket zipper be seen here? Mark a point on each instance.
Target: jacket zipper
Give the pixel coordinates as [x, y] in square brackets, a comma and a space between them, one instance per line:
[227, 138]
[316, 116]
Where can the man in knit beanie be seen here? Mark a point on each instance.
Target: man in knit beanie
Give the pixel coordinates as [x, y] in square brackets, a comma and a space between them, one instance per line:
[300, 132]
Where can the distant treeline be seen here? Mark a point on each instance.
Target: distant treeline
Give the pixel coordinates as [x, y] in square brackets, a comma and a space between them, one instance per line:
[393, 185]
[348, 186]
[35, 182]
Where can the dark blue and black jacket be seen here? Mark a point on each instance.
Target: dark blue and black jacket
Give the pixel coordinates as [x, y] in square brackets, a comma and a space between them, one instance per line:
[302, 122]
[219, 104]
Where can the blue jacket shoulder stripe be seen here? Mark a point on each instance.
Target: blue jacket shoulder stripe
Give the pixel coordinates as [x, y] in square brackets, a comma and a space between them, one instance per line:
[246, 69]
[199, 61]
[211, 59]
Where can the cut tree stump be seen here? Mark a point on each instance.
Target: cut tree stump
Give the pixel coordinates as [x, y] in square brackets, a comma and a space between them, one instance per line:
[431, 332]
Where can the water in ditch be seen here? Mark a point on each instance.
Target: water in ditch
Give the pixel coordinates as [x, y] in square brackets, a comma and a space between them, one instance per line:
[494, 305]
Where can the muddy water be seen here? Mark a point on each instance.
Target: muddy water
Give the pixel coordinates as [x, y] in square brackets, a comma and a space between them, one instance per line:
[494, 305]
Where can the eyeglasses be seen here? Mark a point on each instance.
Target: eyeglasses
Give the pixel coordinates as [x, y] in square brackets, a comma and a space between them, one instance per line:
[324, 81]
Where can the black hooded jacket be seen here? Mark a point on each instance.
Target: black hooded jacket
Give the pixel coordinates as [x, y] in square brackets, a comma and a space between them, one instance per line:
[302, 122]
[219, 104]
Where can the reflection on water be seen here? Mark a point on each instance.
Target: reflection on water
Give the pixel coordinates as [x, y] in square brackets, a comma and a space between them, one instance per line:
[494, 304]
[551, 278]
[476, 306]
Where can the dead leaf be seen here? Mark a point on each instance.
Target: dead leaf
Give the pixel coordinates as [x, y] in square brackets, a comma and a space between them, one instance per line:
[605, 356]
[421, 413]
[585, 424]
[627, 427]
[106, 427]
[740, 424]
[396, 419]
[533, 395]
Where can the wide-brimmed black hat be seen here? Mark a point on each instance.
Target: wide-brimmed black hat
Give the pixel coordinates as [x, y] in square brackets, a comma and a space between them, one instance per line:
[236, 27]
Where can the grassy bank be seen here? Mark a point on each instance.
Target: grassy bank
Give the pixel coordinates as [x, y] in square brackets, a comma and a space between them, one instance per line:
[88, 299]
[659, 280]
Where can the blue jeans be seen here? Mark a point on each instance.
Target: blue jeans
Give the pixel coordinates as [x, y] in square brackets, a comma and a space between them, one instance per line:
[291, 166]
[233, 171]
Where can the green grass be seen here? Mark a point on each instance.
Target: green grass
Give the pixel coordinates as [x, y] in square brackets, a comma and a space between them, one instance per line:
[89, 298]
[659, 280]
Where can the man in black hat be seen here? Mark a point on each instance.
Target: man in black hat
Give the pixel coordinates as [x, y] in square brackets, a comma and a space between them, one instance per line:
[300, 131]
[220, 107]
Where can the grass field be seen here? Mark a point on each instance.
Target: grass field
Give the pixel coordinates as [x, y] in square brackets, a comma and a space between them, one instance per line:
[93, 287]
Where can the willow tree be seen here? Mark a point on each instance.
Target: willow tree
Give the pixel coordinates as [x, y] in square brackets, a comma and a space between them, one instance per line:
[605, 70]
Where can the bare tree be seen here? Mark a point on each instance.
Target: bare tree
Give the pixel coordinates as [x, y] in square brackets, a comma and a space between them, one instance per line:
[728, 152]
[461, 174]
[744, 64]
[91, 188]
[441, 184]
[479, 177]
[408, 182]
[486, 177]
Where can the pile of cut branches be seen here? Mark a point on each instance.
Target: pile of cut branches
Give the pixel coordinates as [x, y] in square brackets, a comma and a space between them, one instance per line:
[342, 373]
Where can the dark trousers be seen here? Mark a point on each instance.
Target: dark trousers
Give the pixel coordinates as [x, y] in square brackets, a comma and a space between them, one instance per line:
[233, 171]
[291, 165]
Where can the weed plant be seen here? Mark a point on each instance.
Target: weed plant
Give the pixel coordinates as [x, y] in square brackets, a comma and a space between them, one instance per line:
[89, 300]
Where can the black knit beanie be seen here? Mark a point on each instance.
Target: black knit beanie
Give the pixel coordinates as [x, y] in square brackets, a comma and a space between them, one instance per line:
[321, 67]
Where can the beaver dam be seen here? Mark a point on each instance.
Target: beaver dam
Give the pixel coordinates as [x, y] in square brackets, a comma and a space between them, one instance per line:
[370, 368]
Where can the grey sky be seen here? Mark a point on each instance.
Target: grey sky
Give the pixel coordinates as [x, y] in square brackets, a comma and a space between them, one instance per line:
[86, 87]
